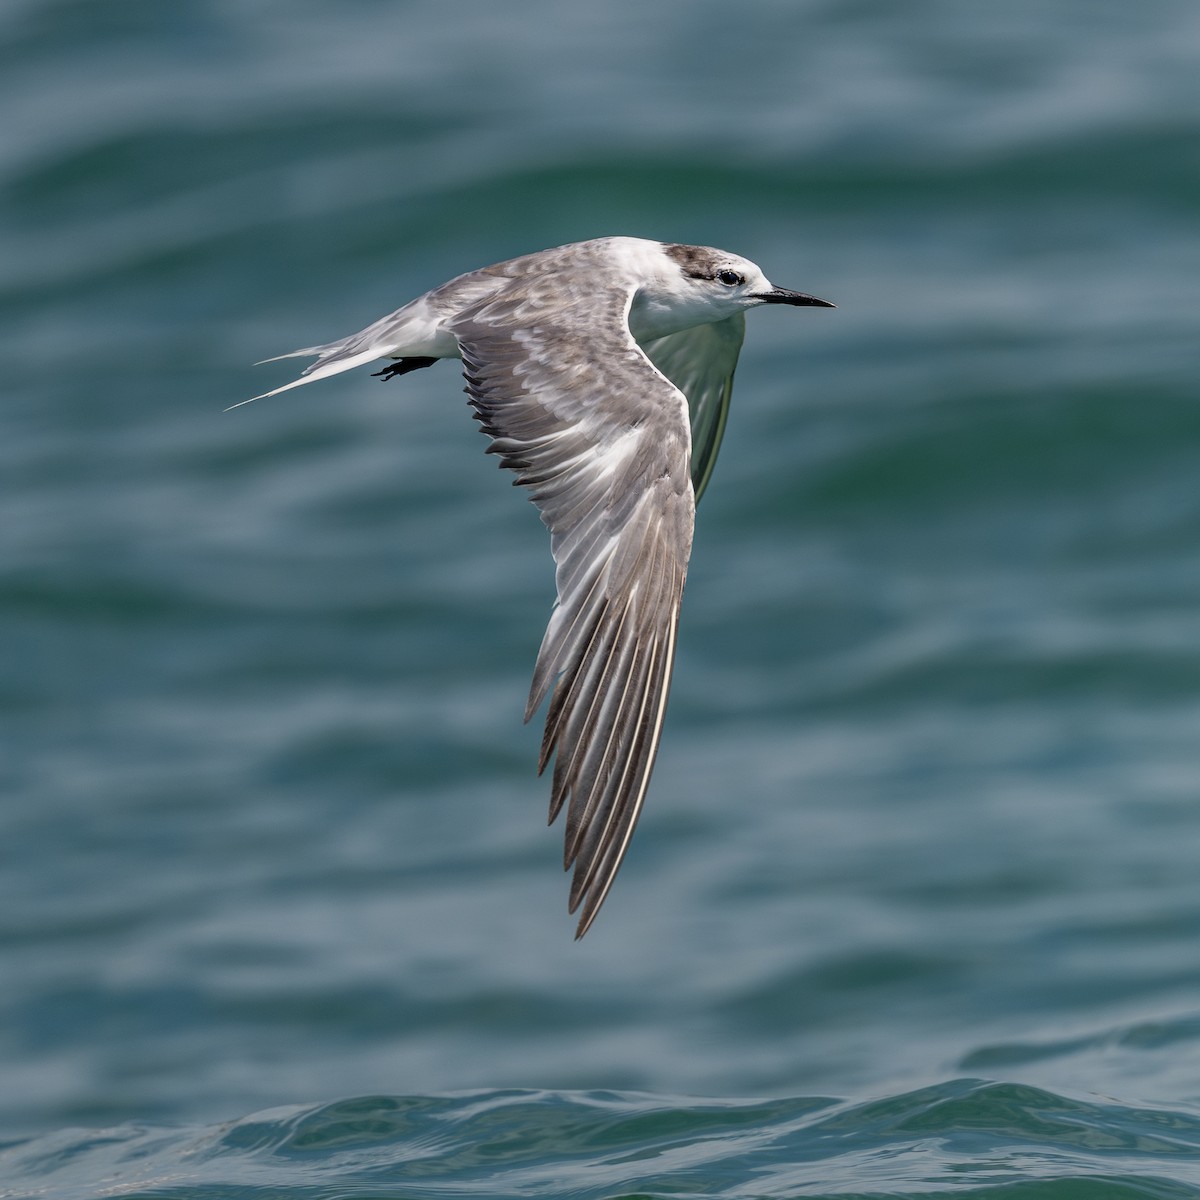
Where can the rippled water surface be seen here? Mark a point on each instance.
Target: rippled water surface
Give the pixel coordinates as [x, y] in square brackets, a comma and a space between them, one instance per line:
[914, 904]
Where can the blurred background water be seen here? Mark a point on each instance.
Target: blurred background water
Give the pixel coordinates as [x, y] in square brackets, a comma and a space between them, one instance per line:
[914, 903]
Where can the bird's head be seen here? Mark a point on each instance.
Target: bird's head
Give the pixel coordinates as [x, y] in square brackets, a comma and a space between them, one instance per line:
[699, 285]
[724, 283]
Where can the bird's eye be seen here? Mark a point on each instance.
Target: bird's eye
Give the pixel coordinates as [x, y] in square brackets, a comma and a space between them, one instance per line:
[730, 278]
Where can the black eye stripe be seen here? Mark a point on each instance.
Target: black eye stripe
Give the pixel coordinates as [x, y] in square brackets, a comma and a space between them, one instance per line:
[728, 278]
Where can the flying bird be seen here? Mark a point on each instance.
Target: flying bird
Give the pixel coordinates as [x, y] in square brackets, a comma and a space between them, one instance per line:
[602, 372]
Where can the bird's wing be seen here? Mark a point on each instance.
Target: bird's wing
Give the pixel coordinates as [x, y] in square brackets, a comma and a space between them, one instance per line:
[601, 439]
[700, 362]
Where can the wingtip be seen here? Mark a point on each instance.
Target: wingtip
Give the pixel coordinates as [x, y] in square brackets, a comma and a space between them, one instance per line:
[584, 923]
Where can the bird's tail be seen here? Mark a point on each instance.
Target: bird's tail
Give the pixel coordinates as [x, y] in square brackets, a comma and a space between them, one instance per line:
[332, 359]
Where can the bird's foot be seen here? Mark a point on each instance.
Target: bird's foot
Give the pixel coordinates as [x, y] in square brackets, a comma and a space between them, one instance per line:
[402, 366]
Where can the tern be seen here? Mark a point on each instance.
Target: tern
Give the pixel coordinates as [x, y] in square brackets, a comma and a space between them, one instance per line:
[602, 371]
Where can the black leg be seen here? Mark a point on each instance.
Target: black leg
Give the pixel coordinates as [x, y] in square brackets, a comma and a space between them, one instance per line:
[402, 366]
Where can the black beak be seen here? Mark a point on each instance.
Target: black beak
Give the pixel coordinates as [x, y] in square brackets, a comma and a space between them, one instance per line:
[783, 296]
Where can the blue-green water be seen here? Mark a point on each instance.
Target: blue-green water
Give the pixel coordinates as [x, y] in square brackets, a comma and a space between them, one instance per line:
[915, 904]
